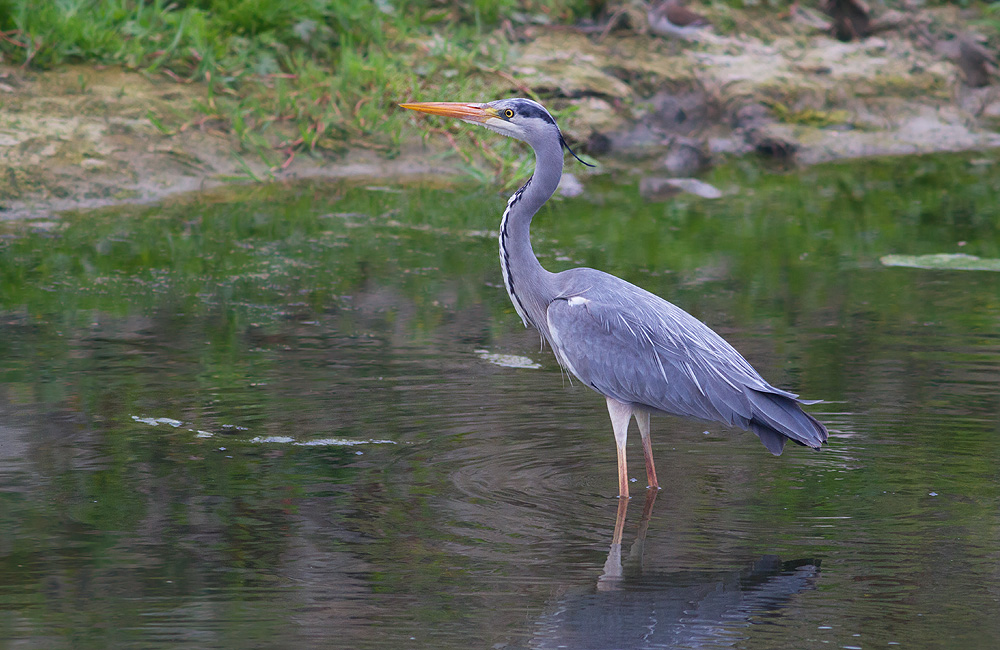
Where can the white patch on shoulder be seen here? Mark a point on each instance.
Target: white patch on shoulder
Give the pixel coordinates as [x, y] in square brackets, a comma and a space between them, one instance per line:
[576, 301]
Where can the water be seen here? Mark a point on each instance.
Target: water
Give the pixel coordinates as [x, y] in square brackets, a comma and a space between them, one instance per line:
[284, 418]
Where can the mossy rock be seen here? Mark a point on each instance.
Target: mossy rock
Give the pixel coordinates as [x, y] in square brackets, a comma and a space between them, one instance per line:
[569, 65]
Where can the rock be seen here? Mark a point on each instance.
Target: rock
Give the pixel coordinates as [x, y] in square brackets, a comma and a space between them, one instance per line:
[569, 186]
[598, 144]
[851, 18]
[686, 157]
[975, 61]
[682, 113]
[773, 141]
[658, 188]
[752, 115]
[914, 130]
[668, 116]
[627, 16]
[673, 20]
[592, 115]
[891, 19]
[731, 145]
[763, 133]
[948, 47]
[696, 187]
[808, 17]
[992, 111]
[569, 65]
[776, 148]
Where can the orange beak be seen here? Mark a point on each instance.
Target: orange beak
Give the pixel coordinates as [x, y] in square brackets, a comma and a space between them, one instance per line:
[460, 110]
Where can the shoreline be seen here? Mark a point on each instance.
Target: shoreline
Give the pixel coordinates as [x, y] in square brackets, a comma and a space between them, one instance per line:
[82, 136]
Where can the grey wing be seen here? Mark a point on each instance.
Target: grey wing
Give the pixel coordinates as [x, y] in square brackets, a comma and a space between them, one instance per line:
[640, 349]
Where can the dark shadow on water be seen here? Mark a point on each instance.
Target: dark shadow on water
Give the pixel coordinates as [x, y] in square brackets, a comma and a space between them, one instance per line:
[631, 608]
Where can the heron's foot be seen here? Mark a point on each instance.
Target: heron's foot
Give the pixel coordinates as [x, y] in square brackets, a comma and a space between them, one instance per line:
[654, 486]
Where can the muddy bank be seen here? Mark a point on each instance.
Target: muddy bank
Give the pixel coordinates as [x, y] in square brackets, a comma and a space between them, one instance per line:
[84, 137]
[780, 87]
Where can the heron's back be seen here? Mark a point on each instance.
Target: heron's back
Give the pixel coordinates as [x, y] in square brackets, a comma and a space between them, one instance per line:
[632, 345]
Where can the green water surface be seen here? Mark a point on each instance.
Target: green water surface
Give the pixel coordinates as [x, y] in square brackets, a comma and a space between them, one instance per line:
[269, 418]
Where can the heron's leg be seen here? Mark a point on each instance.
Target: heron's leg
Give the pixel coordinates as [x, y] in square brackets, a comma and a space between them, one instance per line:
[642, 419]
[621, 415]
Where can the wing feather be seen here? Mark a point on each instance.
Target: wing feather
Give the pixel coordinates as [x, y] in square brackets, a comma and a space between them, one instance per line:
[631, 345]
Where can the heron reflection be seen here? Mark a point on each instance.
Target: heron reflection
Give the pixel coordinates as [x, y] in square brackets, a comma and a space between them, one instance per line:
[636, 609]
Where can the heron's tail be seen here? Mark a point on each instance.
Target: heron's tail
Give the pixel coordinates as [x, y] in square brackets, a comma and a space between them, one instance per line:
[777, 418]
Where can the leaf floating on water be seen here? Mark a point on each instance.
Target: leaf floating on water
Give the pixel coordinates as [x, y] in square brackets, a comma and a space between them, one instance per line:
[508, 360]
[943, 262]
[321, 442]
[279, 439]
[341, 442]
[158, 421]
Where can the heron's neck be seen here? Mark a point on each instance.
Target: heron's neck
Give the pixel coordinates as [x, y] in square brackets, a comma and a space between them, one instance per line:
[530, 286]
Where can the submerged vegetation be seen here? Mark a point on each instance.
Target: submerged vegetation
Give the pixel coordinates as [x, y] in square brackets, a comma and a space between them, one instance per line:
[305, 247]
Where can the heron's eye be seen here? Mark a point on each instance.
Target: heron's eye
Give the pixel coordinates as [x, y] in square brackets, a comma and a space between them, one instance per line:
[508, 113]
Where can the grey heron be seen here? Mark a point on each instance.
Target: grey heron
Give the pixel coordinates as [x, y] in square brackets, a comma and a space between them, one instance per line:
[642, 353]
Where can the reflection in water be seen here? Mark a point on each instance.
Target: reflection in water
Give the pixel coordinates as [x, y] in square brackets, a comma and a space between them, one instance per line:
[304, 319]
[633, 609]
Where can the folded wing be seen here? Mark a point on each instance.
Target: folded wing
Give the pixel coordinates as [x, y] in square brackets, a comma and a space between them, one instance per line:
[633, 346]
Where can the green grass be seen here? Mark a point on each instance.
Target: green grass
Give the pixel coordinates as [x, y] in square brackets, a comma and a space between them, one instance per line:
[293, 77]
[288, 75]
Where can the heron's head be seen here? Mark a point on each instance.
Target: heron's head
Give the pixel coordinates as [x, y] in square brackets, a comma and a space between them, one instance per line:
[519, 118]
